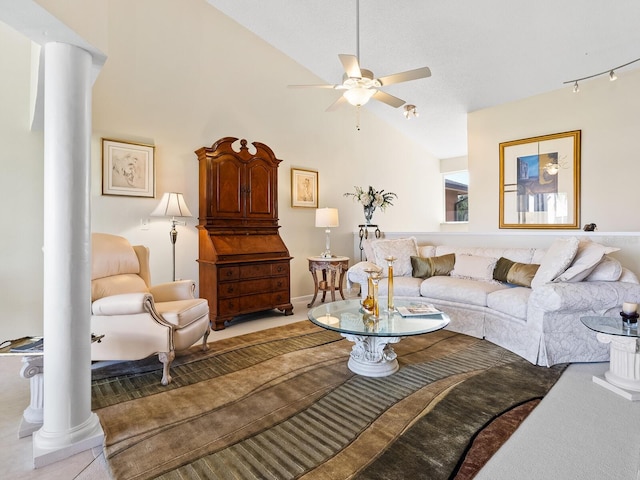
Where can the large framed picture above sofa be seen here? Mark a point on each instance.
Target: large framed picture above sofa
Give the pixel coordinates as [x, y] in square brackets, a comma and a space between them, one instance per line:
[540, 182]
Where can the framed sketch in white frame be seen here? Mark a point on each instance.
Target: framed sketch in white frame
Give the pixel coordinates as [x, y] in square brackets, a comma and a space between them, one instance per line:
[128, 168]
[304, 188]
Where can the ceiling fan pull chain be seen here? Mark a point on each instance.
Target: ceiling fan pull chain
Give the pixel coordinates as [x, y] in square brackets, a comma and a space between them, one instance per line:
[358, 117]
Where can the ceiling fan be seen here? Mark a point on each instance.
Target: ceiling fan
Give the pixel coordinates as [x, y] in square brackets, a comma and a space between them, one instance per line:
[359, 85]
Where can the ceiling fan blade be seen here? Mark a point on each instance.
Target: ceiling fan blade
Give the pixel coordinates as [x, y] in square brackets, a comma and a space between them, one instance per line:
[390, 100]
[351, 65]
[423, 72]
[324, 85]
[337, 104]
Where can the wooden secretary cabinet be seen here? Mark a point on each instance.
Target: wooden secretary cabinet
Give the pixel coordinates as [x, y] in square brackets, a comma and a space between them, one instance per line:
[243, 262]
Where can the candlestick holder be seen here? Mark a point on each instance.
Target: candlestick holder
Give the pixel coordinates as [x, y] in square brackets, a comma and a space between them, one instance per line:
[375, 278]
[390, 306]
[367, 303]
[629, 318]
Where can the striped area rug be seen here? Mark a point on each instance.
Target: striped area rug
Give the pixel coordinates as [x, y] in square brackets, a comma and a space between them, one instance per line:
[282, 404]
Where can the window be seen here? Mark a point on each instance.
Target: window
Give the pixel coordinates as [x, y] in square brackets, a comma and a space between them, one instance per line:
[456, 196]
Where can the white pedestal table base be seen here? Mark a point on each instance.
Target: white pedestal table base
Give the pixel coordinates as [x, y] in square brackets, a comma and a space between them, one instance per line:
[623, 376]
[372, 356]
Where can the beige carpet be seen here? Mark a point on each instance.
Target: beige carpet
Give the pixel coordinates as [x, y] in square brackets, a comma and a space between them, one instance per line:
[281, 403]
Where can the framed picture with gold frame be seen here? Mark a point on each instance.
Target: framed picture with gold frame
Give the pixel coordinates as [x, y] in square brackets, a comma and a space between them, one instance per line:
[540, 182]
[304, 188]
[128, 168]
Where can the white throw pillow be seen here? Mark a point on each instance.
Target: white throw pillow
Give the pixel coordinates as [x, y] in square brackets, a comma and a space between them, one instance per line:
[368, 250]
[556, 260]
[402, 249]
[608, 270]
[474, 267]
[587, 257]
[426, 251]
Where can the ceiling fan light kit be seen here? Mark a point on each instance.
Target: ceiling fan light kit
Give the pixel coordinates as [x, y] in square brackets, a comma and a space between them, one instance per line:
[360, 85]
[410, 111]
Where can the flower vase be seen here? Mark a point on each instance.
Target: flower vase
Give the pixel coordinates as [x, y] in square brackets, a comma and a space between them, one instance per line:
[368, 214]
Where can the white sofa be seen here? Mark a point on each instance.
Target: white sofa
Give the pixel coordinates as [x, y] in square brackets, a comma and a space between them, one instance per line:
[541, 323]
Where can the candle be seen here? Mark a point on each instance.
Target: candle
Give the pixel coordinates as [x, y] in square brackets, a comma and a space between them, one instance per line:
[629, 308]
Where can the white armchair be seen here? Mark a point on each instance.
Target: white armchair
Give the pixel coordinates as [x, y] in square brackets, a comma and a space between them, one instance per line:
[136, 319]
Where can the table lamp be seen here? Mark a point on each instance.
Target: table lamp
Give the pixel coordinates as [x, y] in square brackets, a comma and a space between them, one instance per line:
[172, 205]
[327, 218]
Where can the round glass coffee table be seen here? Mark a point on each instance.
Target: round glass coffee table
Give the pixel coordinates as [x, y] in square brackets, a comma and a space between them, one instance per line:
[623, 376]
[372, 354]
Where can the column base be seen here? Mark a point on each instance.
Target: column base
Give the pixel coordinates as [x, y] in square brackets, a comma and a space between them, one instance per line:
[628, 394]
[372, 356]
[49, 448]
[27, 428]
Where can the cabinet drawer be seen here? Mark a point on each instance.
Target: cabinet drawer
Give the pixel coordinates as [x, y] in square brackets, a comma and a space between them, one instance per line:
[261, 301]
[228, 306]
[255, 286]
[278, 298]
[280, 268]
[280, 284]
[255, 270]
[228, 273]
[228, 289]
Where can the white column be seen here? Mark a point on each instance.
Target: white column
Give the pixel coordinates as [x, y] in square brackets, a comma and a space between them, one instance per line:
[69, 426]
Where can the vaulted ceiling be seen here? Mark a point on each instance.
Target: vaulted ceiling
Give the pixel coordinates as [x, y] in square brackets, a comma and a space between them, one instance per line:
[481, 53]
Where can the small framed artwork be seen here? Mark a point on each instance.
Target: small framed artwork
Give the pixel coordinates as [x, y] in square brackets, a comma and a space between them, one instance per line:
[304, 188]
[127, 169]
[540, 182]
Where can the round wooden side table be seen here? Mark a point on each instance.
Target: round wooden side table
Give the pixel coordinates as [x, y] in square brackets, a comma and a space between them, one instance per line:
[330, 267]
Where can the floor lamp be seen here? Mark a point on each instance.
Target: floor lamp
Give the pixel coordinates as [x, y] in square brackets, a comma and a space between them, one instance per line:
[172, 205]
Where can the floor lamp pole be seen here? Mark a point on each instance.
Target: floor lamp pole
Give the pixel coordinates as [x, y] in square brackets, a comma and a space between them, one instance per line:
[173, 235]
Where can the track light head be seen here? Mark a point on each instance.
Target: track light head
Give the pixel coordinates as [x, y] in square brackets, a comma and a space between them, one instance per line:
[612, 76]
[576, 88]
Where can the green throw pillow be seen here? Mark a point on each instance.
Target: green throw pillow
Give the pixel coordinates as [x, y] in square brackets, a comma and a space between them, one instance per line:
[515, 273]
[425, 267]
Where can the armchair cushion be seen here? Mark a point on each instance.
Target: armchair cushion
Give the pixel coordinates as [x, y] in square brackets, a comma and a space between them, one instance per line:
[117, 285]
[181, 313]
[112, 255]
[126, 304]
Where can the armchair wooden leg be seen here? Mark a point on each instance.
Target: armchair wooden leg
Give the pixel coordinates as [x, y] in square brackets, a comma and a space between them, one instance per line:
[166, 358]
[205, 345]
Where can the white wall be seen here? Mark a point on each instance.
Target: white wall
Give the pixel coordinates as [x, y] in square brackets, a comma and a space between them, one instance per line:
[608, 113]
[180, 75]
[21, 184]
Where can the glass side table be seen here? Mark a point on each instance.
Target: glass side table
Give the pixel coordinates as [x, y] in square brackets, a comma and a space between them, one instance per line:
[623, 376]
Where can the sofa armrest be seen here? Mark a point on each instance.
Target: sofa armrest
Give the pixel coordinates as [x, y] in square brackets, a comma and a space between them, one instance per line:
[583, 296]
[171, 291]
[124, 304]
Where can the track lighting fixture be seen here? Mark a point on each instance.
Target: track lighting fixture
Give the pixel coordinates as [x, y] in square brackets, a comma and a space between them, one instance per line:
[410, 110]
[611, 72]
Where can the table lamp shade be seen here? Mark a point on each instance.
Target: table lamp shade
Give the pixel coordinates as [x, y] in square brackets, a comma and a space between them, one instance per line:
[327, 217]
[172, 204]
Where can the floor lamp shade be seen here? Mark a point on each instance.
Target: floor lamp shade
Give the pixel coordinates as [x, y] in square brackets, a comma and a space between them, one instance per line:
[172, 205]
[327, 218]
